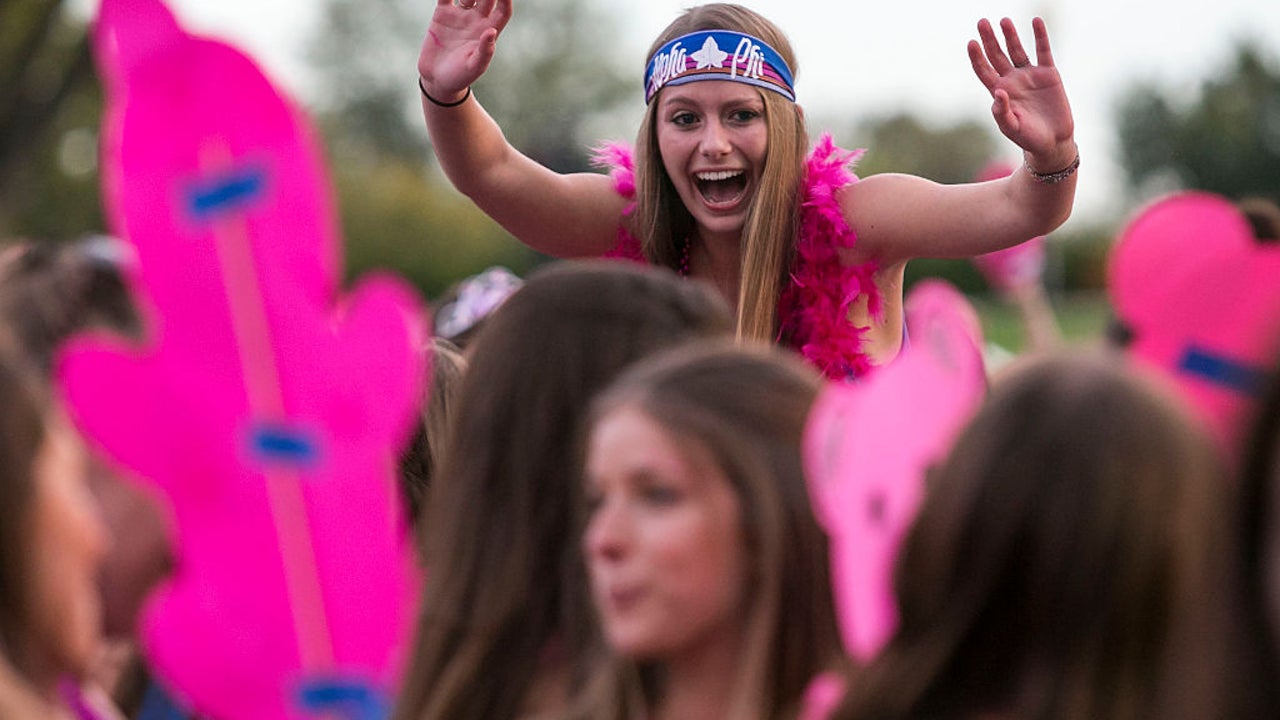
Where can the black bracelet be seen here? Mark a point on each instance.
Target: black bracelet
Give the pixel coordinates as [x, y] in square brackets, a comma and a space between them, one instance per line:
[437, 103]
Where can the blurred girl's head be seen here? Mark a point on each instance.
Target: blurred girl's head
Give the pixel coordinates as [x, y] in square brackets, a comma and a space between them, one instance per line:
[1060, 559]
[51, 539]
[698, 532]
[506, 601]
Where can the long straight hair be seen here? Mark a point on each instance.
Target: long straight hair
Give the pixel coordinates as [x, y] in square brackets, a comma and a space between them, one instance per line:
[745, 406]
[1066, 564]
[662, 222]
[506, 592]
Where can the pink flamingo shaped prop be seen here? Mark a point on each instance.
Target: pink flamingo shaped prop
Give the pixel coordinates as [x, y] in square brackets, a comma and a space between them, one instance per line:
[266, 408]
[868, 446]
[1199, 299]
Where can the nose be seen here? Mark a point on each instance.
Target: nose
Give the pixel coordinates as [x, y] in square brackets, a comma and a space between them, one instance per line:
[606, 536]
[715, 139]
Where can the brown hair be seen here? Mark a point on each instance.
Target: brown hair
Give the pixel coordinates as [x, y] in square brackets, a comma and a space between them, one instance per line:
[506, 585]
[662, 222]
[1263, 216]
[52, 290]
[23, 427]
[430, 437]
[1259, 526]
[1061, 564]
[746, 406]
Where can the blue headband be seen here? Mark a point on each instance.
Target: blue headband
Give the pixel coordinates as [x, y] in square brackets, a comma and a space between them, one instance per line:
[718, 55]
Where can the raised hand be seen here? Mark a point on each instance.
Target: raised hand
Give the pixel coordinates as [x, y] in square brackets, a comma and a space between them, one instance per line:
[1030, 104]
[459, 44]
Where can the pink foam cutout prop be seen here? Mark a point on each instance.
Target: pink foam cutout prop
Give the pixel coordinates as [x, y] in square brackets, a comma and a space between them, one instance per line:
[1014, 266]
[867, 448]
[1200, 298]
[267, 409]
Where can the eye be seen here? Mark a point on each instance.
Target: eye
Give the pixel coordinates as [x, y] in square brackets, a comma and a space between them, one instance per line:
[660, 494]
[683, 118]
[744, 115]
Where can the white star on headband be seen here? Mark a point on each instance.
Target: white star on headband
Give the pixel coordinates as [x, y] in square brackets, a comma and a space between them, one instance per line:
[710, 55]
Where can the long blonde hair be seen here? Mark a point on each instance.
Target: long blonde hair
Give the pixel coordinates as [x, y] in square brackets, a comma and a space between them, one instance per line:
[768, 239]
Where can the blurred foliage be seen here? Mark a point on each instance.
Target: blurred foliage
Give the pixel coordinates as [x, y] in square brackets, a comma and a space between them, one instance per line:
[1075, 257]
[1081, 317]
[48, 123]
[397, 218]
[1075, 261]
[554, 73]
[1226, 139]
[903, 143]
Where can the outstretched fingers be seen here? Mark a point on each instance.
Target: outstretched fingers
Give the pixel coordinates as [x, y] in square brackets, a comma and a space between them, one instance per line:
[501, 13]
[1044, 56]
[1016, 53]
[986, 74]
[995, 53]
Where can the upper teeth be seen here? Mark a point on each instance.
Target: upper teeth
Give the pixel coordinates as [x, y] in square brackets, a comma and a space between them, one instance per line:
[720, 175]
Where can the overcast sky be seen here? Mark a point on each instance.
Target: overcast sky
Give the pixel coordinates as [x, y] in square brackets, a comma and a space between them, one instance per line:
[859, 58]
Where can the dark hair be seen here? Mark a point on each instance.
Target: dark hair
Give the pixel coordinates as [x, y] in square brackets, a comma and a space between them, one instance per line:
[51, 290]
[1062, 563]
[430, 436]
[1263, 216]
[746, 406]
[23, 409]
[504, 579]
[1259, 530]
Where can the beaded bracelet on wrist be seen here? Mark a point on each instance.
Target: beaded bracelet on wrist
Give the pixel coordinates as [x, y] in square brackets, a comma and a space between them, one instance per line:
[1052, 178]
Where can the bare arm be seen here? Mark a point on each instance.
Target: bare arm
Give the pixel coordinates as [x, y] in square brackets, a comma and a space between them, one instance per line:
[561, 215]
[898, 217]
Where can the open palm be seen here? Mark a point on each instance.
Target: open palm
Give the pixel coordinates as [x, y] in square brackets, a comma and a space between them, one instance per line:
[460, 43]
[1029, 101]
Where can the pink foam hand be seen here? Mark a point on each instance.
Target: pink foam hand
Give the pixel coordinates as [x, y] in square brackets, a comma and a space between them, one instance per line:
[1014, 266]
[1200, 298]
[269, 410]
[867, 448]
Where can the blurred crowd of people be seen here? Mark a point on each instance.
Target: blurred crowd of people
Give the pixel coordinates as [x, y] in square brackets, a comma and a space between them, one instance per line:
[607, 489]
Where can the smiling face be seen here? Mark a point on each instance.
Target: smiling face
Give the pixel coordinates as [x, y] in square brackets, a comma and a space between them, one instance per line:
[664, 541]
[713, 137]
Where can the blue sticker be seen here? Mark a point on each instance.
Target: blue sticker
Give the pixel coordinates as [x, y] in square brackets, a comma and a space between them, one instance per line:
[349, 698]
[231, 192]
[157, 704]
[1222, 371]
[280, 445]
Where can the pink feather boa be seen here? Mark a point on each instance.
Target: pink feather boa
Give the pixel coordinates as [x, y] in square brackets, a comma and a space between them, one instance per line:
[814, 308]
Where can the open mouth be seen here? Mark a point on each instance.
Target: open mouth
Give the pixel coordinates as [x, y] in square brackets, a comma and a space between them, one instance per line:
[722, 188]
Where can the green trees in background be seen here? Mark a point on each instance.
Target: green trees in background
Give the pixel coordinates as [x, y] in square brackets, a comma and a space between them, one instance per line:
[557, 85]
[49, 114]
[1224, 139]
[554, 75]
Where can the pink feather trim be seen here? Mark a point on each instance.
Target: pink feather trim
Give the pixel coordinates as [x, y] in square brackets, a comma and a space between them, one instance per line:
[618, 159]
[814, 307]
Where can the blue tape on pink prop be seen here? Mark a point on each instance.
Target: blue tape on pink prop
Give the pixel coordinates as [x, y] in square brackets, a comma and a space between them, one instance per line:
[279, 445]
[227, 193]
[1222, 371]
[348, 698]
[718, 55]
